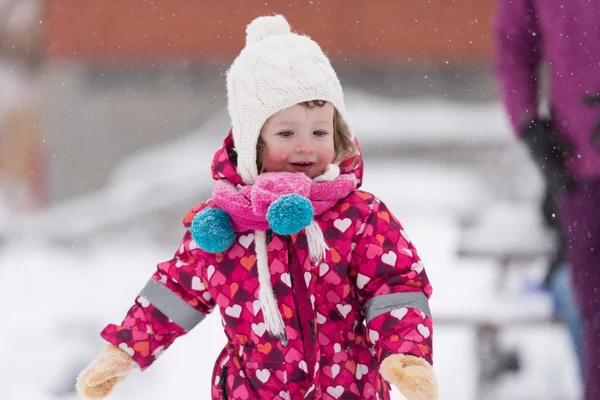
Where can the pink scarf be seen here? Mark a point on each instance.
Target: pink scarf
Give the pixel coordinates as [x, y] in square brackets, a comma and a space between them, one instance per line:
[248, 205]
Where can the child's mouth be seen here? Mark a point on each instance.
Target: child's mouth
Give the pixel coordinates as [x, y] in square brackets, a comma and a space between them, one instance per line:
[302, 166]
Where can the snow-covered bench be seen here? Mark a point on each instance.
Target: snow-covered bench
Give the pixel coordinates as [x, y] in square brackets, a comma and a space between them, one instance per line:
[507, 243]
[512, 234]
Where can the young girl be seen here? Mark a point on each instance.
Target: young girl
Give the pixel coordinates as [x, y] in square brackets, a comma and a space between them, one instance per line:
[320, 290]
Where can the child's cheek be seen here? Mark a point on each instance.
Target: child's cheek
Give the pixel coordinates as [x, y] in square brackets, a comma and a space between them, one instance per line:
[327, 153]
[276, 157]
[274, 163]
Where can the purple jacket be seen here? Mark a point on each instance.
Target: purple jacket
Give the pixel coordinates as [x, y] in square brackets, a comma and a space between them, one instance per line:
[565, 35]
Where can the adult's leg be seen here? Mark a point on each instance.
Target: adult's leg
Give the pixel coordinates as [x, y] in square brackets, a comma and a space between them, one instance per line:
[562, 290]
[579, 214]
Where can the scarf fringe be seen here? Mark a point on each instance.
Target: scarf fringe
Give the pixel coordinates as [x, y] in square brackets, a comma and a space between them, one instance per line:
[268, 303]
[317, 247]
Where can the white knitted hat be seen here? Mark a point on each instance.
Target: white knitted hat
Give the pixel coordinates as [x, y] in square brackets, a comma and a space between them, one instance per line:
[276, 70]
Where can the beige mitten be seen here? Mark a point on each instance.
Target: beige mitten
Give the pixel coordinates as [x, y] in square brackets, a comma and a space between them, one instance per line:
[100, 377]
[413, 376]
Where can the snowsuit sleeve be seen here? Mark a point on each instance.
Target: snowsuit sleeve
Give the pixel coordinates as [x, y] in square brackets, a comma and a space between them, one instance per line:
[393, 287]
[173, 301]
[518, 51]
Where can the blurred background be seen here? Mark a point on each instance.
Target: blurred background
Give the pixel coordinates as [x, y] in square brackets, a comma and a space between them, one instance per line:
[110, 112]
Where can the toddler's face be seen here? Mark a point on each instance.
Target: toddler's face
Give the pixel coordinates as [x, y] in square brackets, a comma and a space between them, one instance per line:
[299, 139]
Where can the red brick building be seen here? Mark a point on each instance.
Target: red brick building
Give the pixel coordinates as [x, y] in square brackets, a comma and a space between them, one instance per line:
[370, 31]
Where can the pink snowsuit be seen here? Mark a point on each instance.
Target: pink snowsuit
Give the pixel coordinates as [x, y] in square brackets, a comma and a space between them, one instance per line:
[365, 301]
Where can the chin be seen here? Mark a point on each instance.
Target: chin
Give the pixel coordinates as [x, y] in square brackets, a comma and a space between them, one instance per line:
[315, 174]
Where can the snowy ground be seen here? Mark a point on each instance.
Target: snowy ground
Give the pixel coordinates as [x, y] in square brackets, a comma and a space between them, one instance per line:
[67, 273]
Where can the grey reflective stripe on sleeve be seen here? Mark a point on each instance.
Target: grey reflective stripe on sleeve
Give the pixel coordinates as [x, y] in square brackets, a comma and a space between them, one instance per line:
[171, 305]
[388, 302]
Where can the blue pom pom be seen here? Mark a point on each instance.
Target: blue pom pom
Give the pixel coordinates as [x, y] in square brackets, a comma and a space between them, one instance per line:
[211, 230]
[290, 214]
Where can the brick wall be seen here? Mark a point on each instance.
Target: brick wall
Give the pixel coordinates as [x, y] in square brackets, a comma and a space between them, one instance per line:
[363, 31]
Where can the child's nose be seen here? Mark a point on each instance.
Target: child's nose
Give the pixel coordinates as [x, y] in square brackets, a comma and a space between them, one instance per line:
[305, 147]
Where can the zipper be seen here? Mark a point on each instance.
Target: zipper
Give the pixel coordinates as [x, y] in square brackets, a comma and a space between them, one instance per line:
[289, 263]
[289, 254]
[283, 339]
[307, 347]
[223, 381]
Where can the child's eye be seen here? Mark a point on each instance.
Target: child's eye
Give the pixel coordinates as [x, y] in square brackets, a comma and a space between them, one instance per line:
[319, 133]
[286, 133]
